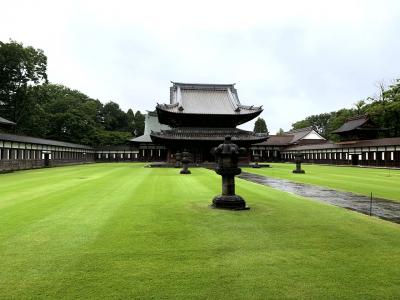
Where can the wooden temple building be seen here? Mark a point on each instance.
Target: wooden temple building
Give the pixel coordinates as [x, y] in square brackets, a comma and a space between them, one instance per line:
[272, 149]
[199, 116]
[384, 152]
[359, 146]
[23, 152]
[359, 128]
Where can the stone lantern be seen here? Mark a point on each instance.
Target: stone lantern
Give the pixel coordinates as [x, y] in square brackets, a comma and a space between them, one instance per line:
[227, 155]
[186, 159]
[178, 158]
[298, 159]
[256, 158]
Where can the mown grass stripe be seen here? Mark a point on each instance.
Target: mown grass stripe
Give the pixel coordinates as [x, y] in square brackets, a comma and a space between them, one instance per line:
[149, 234]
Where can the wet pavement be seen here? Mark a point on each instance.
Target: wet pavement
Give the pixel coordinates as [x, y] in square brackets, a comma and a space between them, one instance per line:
[382, 208]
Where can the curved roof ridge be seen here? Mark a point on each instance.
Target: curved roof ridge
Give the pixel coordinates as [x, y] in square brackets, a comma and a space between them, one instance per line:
[203, 84]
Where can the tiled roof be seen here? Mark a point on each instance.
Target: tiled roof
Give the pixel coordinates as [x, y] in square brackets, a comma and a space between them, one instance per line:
[6, 122]
[349, 144]
[216, 99]
[292, 137]
[208, 134]
[32, 140]
[304, 129]
[299, 134]
[372, 143]
[150, 124]
[327, 145]
[277, 140]
[352, 124]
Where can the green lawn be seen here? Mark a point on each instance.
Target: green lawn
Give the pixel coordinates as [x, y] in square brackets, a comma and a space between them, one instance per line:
[124, 231]
[383, 183]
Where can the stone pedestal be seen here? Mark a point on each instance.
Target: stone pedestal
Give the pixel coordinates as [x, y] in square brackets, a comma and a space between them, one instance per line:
[256, 160]
[298, 160]
[234, 202]
[186, 159]
[178, 158]
[227, 158]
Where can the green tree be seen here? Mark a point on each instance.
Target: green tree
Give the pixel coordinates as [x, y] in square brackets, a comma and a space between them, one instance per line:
[280, 132]
[360, 107]
[385, 110]
[69, 114]
[260, 126]
[337, 119]
[114, 118]
[301, 124]
[20, 69]
[393, 108]
[325, 123]
[55, 111]
[131, 120]
[319, 122]
[107, 138]
[139, 123]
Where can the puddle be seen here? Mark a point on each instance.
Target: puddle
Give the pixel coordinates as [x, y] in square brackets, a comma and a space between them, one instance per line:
[382, 208]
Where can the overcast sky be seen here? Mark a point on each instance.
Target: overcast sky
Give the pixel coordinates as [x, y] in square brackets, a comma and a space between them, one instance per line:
[296, 58]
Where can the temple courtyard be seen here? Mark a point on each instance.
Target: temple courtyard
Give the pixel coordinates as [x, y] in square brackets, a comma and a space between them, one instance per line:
[120, 230]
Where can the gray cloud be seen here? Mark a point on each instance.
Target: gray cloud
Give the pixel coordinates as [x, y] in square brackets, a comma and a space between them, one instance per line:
[294, 57]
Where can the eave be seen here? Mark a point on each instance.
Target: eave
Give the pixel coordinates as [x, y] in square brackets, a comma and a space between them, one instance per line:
[206, 135]
[177, 119]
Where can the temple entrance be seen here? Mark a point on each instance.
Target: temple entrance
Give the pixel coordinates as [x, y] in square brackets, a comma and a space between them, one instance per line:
[201, 155]
[46, 159]
[354, 159]
[207, 156]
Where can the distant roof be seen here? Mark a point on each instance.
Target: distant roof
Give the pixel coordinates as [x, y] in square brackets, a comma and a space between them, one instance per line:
[302, 133]
[6, 122]
[215, 99]
[32, 140]
[277, 140]
[293, 137]
[150, 124]
[356, 123]
[349, 144]
[304, 129]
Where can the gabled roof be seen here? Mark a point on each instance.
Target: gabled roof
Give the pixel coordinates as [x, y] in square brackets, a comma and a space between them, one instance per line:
[294, 137]
[212, 99]
[356, 123]
[6, 122]
[304, 133]
[150, 124]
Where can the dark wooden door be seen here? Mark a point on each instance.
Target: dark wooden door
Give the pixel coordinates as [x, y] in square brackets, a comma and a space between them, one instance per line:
[354, 159]
[46, 159]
